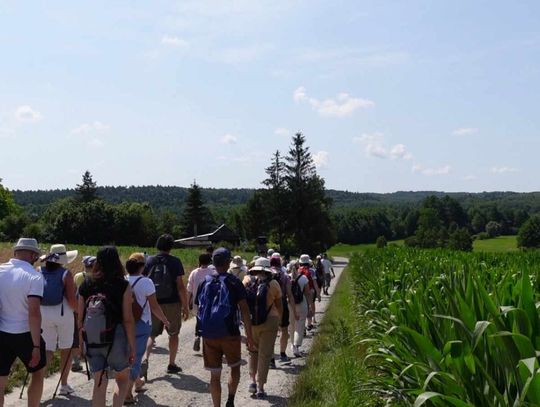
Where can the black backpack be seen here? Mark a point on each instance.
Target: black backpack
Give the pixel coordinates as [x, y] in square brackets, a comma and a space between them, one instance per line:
[256, 298]
[297, 292]
[162, 278]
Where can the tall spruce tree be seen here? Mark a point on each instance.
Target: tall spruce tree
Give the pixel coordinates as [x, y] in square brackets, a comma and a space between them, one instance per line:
[87, 191]
[308, 220]
[276, 205]
[196, 218]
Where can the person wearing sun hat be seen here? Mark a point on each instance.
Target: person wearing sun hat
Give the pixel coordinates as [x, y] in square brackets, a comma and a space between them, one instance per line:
[259, 283]
[21, 290]
[57, 308]
[238, 267]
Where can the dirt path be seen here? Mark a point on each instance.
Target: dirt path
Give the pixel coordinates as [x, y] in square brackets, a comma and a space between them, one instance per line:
[190, 388]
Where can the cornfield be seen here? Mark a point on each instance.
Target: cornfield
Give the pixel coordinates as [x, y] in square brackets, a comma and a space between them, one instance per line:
[448, 328]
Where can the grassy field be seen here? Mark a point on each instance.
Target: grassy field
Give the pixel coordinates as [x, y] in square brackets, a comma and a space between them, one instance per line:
[501, 244]
[335, 365]
[189, 256]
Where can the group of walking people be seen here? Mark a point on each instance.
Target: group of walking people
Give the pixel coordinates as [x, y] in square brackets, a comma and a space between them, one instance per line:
[110, 314]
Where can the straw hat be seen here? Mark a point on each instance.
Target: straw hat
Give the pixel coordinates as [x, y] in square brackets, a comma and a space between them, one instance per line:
[237, 262]
[58, 254]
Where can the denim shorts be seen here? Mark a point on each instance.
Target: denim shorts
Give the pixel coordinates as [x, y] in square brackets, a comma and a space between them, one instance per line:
[115, 358]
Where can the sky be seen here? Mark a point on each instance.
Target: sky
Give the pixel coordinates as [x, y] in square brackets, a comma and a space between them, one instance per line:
[390, 95]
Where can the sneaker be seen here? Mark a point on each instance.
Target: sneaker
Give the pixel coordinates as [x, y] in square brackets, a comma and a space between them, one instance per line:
[272, 363]
[197, 344]
[229, 403]
[310, 327]
[174, 369]
[76, 367]
[284, 358]
[261, 395]
[252, 388]
[296, 351]
[66, 390]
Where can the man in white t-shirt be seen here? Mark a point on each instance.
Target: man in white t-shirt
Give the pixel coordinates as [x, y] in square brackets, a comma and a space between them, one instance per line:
[328, 272]
[195, 280]
[21, 290]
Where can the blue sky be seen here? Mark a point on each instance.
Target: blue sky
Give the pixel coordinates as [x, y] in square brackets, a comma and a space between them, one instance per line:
[391, 95]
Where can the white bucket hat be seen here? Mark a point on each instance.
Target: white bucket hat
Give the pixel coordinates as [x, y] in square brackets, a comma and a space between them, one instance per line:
[27, 243]
[304, 259]
[237, 262]
[58, 254]
[261, 264]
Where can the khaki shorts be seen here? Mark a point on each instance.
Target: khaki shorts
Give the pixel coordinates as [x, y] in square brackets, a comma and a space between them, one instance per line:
[173, 313]
[215, 349]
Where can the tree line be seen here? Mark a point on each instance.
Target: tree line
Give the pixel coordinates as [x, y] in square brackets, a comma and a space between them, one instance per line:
[292, 208]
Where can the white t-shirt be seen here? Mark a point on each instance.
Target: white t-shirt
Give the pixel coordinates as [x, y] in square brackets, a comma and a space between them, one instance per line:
[18, 281]
[143, 289]
[327, 265]
[302, 282]
[197, 277]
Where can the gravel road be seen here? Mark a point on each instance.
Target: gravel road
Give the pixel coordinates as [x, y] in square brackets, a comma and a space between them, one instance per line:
[190, 388]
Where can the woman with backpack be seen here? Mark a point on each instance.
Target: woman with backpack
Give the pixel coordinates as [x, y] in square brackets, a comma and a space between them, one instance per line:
[266, 308]
[107, 326]
[144, 305]
[57, 307]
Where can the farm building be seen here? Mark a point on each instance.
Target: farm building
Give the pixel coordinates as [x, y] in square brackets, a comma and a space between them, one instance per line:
[221, 234]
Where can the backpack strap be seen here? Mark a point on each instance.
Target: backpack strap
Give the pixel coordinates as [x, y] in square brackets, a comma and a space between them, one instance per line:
[133, 286]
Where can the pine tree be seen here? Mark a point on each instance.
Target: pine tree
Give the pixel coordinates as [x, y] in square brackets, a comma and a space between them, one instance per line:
[196, 218]
[87, 191]
[276, 205]
[309, 220]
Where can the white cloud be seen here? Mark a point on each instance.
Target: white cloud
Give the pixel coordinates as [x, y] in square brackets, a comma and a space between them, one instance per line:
[375, 146]
[503, 170]
[444, 170]
[282, 132]
[465, 131]
[340, 106]
[320, 159]
[86, 128]
[229, 139]
[26, 114]
[174, 41]
[91, 133]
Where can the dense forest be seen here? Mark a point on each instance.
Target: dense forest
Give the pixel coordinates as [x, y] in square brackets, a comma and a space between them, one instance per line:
[173, 198]
[356, 217]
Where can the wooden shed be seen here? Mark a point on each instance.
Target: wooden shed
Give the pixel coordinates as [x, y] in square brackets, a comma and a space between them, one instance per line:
[221, 234]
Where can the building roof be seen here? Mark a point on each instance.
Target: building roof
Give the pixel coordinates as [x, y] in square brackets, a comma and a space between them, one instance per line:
[207, 237]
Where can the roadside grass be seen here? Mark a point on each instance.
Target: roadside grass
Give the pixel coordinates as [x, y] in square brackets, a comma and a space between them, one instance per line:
[501, 244]
[334, 367]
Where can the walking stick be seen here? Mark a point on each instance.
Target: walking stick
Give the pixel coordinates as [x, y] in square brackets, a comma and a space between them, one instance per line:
[24, 384]
[62, 373]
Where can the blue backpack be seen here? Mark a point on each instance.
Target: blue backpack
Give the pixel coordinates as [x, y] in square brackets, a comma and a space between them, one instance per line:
[53, 290]
[214, 307]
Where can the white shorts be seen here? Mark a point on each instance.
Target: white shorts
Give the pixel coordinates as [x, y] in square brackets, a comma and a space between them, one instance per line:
[57, 328]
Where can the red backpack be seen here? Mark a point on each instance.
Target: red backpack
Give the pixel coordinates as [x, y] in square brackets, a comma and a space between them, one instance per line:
[305, 271]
